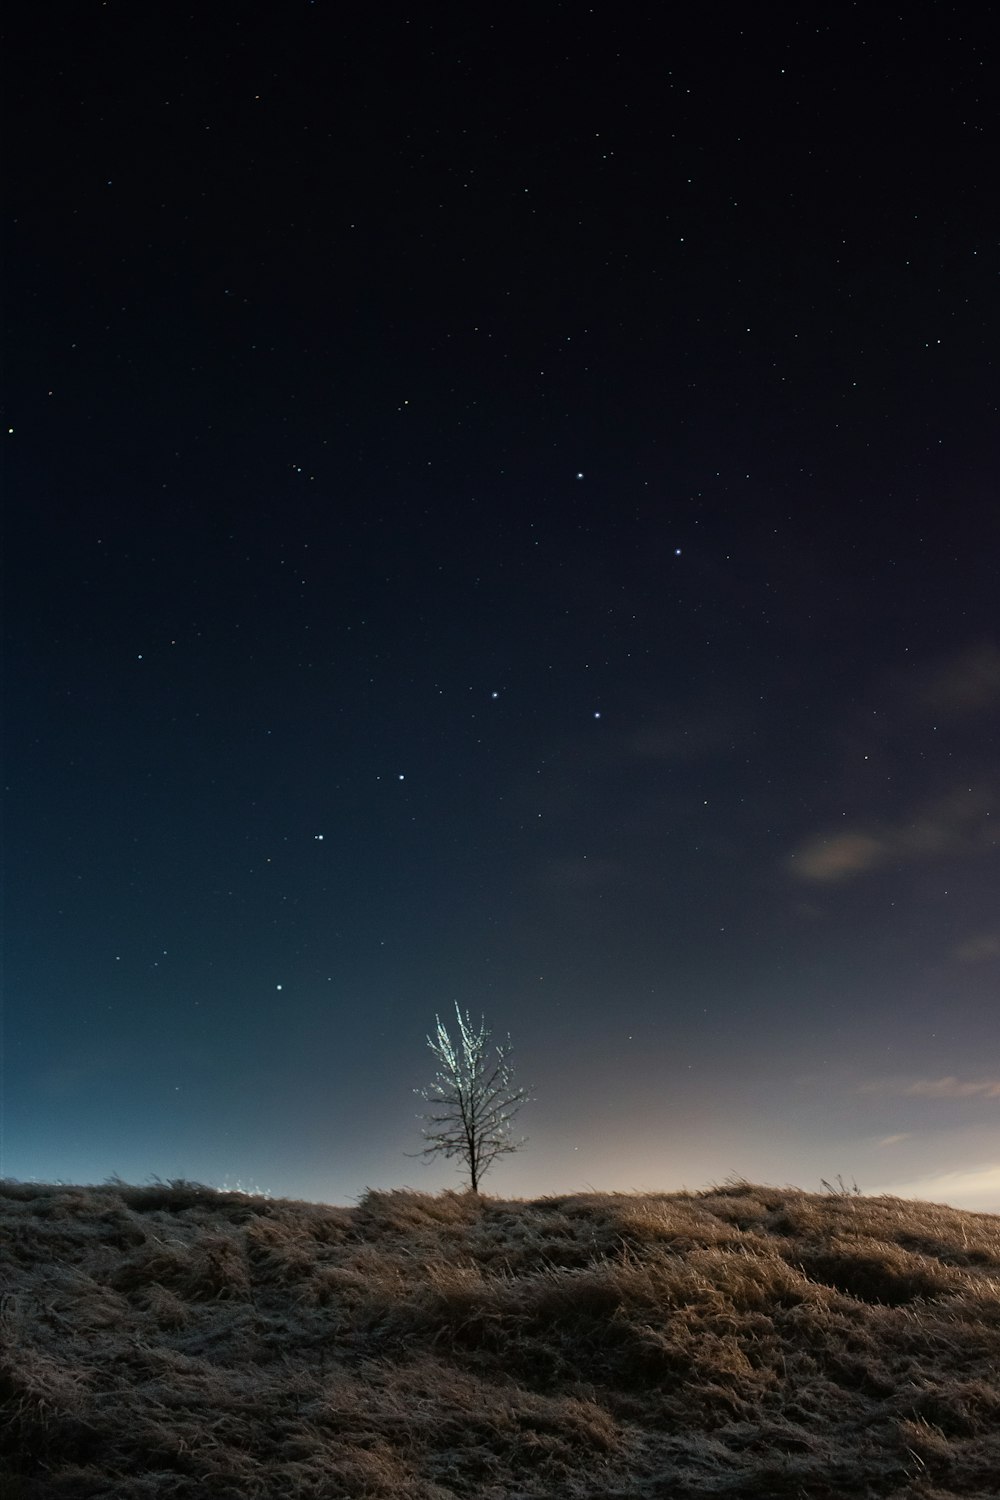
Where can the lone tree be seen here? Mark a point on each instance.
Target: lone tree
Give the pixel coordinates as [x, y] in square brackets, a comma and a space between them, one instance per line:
[473, 1099]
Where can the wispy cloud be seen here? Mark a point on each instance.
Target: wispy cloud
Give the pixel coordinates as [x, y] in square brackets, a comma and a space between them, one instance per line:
[838, 857]
[974, 1188]
[953, 1088]
[979, 949]
[896, 1140]
[910, 726]
[963, 684]
[935, 1088]
[957, 824]
[691, 734]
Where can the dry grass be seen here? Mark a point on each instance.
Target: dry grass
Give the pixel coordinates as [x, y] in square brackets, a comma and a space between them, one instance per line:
[746, 1341]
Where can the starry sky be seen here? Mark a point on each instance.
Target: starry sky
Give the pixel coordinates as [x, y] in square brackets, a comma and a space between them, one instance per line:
[501, 508]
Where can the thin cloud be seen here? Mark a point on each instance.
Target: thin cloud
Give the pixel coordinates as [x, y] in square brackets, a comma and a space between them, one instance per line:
[953, 1088]
[896, 1140]
[976, 1189]
[964, 684]
[839, 857]
[936, 1088]
[687, 736]
[980, 949]
[958, 824]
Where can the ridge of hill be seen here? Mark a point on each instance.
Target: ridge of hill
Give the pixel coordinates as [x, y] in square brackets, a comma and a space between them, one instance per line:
[173, 1340]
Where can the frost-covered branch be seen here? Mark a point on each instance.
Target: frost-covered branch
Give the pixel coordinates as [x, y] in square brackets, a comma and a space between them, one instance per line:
[473, 1099]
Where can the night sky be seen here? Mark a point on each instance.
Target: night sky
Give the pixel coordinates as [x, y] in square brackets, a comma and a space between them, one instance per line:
[502, 508]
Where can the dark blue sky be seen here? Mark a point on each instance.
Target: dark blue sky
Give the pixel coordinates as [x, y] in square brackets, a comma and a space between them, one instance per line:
[503, 513]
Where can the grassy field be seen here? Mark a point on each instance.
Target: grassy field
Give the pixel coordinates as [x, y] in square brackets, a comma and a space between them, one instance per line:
[171, 1340]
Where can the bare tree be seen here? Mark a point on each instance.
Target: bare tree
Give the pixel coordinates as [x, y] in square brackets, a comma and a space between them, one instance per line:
[473, 1099]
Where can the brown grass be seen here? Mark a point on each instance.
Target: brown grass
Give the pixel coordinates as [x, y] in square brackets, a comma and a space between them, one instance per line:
[745, 1341]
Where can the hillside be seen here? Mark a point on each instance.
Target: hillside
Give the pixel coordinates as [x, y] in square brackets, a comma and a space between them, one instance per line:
[170, 1340]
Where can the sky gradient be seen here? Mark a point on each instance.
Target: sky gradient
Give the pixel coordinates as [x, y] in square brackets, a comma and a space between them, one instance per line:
[503, 514]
